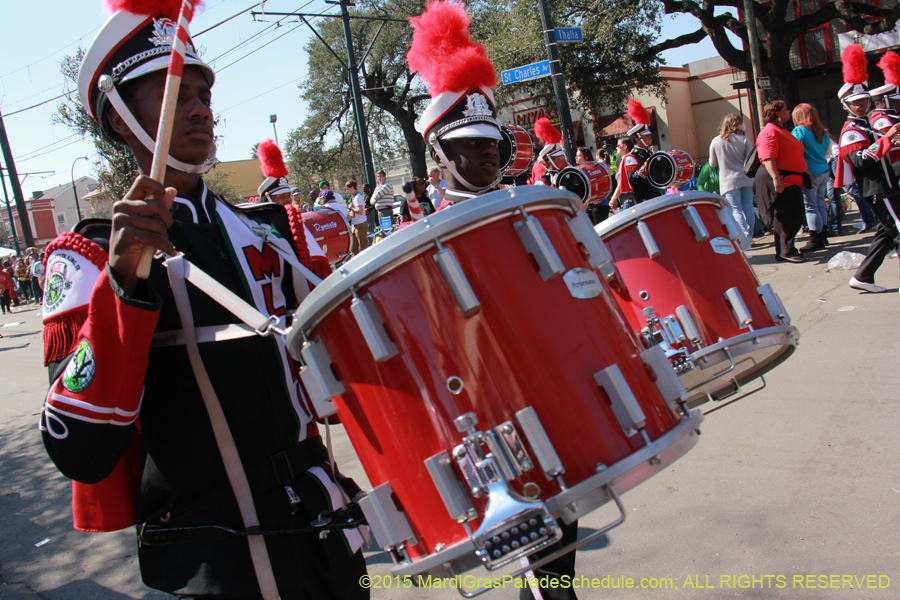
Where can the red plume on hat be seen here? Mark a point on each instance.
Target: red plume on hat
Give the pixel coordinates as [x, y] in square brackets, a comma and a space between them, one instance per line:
[546, 131]
[890, 64]
[443, 52]
[637, 112]
[854, 64]
[272, 161]
[151, 8]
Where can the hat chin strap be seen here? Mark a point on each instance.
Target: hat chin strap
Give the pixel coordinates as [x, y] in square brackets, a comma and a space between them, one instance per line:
[116, 100]
[437, 148]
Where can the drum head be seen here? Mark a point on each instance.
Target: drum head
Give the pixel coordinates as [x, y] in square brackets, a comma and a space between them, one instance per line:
[576, 182]
[506, 148]
[660, 170]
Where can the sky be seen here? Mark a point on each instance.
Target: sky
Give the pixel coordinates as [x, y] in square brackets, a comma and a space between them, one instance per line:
[249, 87]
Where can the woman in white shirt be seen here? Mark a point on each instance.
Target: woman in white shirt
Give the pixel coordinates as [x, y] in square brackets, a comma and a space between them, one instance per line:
[727, 153]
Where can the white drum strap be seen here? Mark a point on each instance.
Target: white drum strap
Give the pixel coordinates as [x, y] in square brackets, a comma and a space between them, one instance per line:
[289, 257]
[227, 449]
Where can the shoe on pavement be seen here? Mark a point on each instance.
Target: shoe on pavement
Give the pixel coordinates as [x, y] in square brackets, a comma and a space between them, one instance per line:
[866, 287]
[789, 258]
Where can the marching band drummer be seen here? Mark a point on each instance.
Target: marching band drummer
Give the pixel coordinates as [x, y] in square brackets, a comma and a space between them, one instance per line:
[865, 157]
[461, 128]
[552, 157]
[633, 164]
[126, 416]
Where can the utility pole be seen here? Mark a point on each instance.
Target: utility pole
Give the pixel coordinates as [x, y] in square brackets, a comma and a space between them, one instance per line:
[559, 82]
[12, 223]
[17, 189]
[750, 19]
[358, 111]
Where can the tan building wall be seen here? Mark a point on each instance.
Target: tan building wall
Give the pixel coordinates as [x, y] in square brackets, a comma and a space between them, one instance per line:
[244, 175]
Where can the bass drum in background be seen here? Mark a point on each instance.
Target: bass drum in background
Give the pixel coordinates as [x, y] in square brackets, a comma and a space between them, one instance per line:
[590, 181]
[669, 167]
[516, 150]
[332, 231]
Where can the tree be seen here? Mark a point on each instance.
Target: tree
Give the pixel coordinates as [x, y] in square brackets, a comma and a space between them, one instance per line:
[117, 168]
[607, 68]
[778, 32]
[217, 180]
[394, 96]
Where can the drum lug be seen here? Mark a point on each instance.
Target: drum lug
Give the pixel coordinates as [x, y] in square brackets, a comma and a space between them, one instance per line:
[371, 324]
[743, 316]
[536, 242]
[688, 325]
[456, 281]
[731, 227]
[773, 304]
[458, 503]
[597, 255]
[318, 377]
[505, 459]
[541, 445]
[647, 238]
[390, 527]
[692, 216]
[665, 377]
[665, 333]
[622, 401]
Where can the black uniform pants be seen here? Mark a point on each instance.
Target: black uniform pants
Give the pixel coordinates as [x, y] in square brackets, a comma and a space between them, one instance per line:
[788, 216]
[887, 237]
[555, 569]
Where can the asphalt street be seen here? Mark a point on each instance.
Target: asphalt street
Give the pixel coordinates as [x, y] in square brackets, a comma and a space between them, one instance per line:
[791, 492]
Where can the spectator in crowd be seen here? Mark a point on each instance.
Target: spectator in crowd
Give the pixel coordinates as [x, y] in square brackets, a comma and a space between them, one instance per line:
[420, 191]
[583, 154]
[23, 279]
[436, 187]
[371, 211]
[383, 196]
[727, 153]
[324, 185]
[781, 154]
[809, 130]
[7, 289]
[708, 179]
[37, 279]
[359, 227]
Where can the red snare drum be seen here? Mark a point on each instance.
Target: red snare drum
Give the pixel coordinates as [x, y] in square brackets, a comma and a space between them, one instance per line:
[488, 393]
[331, 229]
[590, 181]
[668, 168]
[516, 149]
[685, 283]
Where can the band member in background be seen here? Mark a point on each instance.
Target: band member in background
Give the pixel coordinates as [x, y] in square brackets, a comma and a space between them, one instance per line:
[275, 187]
[140, 414]
[460, 125]
[865, 157]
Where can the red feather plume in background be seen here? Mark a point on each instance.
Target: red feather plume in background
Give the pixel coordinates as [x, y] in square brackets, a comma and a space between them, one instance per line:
[854, 64]
[443, 52]
[546, 131]
[637, 112]
[890, 64]
[272, 162]
[151, 8]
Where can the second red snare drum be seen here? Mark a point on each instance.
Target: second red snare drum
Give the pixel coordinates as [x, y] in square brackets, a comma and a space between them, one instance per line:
[488, 381]
[590, 181]
[684, 283]
[332, 231]
[516, 149]
[669, 167]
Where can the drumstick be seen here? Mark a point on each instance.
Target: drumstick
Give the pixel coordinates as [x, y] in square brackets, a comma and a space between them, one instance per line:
[167, 114]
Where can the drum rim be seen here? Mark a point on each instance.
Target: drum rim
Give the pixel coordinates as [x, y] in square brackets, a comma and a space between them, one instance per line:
[514, 146]
[409, 242]
[646, 209]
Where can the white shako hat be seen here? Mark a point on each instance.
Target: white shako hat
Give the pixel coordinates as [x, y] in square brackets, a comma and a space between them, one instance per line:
[127, 47]
[855, 70]
[641, 119]
[460, 80]
[273, 168]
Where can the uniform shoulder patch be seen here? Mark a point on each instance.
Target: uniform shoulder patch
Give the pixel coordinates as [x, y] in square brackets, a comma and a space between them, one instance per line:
[79, 372]
[851, 136]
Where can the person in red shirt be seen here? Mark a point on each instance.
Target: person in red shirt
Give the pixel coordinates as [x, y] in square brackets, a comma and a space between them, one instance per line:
[782, 155]
[7, 290]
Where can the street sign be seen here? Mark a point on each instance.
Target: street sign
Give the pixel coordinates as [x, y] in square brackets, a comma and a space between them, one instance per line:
[568, 35]
[763, 83]
[532, 71]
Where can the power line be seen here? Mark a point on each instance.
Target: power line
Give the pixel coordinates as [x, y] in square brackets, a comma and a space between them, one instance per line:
[32, 152]
[15, 112]
[259, 95]
[52, 54]
[260, 48]
[251, 7]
